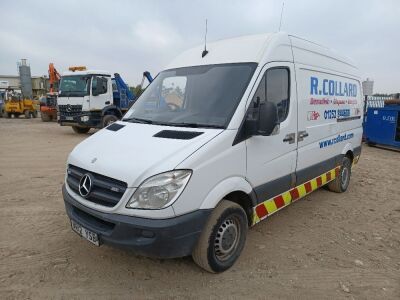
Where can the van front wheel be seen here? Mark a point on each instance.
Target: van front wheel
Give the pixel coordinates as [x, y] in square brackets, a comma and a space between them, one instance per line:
[341, 183]
[222, 239]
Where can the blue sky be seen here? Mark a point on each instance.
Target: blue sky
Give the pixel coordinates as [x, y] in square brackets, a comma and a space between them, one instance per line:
[130, 37]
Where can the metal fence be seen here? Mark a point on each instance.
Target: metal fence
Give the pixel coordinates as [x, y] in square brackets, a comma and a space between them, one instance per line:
[375, 101]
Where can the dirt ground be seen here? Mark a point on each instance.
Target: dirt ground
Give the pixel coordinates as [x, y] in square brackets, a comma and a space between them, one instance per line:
[326, 246]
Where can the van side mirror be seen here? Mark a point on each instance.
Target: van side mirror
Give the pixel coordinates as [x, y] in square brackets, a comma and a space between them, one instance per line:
[268, 118]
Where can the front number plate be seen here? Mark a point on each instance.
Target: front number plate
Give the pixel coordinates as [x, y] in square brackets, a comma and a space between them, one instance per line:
[69, 118]
[85, 233]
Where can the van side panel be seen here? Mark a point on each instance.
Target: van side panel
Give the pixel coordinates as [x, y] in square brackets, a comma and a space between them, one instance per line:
[330, 115]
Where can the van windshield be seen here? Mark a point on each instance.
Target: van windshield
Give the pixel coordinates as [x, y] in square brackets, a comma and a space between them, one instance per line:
[74, 86]
[201, 96]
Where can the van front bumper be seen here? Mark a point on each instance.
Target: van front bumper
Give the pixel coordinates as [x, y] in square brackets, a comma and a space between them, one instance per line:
[165, 238]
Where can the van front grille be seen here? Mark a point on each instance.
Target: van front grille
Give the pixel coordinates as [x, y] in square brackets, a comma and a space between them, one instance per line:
[104, 190]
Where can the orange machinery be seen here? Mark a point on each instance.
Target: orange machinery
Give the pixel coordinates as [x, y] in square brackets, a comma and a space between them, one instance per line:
[48, 103]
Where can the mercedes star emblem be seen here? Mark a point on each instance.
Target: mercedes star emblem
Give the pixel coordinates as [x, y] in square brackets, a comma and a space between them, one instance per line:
[85, 185]
[69, 108]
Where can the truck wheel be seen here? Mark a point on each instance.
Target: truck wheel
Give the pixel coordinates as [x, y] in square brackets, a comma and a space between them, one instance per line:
[109, 119]
[34, 114]
[341, 183]
[80, 130]
[222, 239]
[7, 115]
[45, 117]
[27, 114]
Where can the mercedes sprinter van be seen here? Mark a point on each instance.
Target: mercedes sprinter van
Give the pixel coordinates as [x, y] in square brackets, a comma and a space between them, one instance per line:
[219, 141]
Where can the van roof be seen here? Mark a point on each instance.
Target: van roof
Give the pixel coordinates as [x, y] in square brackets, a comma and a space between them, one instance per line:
[238, 49]
[262, 48]
[86, 72]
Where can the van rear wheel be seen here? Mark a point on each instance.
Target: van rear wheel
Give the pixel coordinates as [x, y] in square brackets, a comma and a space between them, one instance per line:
[341, 183]
[223, 238]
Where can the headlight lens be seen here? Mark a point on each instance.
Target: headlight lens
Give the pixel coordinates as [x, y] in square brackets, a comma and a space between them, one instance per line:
[160, 190]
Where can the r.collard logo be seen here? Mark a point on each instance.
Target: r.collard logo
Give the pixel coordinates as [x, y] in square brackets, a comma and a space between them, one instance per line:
[313, 115]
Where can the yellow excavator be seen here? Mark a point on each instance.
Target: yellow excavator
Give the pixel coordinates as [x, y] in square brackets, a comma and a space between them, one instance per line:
[15, 105]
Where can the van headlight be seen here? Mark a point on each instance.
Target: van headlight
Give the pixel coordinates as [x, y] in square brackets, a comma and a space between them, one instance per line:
[160, 190]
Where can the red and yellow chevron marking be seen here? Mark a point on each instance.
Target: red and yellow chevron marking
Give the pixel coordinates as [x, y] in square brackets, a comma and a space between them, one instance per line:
[270, 206]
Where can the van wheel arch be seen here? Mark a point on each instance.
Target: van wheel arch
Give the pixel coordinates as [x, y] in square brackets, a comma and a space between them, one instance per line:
[246, 201]
[350, 155]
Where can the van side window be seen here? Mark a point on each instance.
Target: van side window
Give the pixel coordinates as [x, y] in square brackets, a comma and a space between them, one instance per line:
[277, 88]
[258, 98]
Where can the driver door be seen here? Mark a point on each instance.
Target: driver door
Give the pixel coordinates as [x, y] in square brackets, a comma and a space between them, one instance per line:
[103, 85]
[271, 160]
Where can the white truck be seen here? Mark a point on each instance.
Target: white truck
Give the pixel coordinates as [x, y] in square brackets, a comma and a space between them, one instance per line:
[92, 98]
[218, 142]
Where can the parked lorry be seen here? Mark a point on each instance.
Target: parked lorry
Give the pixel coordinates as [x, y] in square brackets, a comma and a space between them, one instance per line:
[92, 99]
[2, 94]
[249, 126]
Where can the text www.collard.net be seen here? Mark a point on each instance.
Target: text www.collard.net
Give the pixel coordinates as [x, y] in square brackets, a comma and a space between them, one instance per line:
[338, 139]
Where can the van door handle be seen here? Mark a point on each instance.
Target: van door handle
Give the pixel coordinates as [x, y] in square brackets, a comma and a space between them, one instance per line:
[291, 137]
[302, 135]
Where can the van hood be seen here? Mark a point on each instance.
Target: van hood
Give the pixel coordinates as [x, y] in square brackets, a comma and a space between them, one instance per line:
[133, 153]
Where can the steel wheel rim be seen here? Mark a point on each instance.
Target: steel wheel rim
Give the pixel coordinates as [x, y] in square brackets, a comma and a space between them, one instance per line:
[227, 238]
[345, 176]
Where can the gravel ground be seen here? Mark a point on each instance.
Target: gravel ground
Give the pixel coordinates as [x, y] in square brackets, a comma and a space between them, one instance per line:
[326, 246]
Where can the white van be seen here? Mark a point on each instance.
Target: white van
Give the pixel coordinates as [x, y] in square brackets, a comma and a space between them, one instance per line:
[218, 142]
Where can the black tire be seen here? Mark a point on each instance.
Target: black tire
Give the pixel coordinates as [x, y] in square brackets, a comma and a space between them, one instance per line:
[109, 119]
[7, 115]
[80, 130]
[45, 117]
[222, 239]
[27, 114]
[341, 183]
[34, 114]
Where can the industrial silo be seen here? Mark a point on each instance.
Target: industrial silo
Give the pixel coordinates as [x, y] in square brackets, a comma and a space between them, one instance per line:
[25, 77]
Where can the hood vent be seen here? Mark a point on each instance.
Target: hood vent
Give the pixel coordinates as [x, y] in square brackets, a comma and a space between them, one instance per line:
[177, 135]
[115, 127]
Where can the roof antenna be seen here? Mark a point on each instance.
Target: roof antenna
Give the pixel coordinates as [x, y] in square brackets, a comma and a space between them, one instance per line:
[205, 51]
[280, 22]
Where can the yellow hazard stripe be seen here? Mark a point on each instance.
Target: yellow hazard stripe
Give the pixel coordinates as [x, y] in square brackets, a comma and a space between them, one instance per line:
[270, 206]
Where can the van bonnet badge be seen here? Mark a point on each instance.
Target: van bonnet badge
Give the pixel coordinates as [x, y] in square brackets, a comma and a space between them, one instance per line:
[85, 185]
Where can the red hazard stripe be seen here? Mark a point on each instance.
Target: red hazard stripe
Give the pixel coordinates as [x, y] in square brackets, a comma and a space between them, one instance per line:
[294, 193]
[308, 187]
[328, 176]
[279, 201]
[337, 172]
[319, 181]
[261, 211]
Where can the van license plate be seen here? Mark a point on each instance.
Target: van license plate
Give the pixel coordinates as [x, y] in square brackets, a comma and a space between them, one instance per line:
[85, 233]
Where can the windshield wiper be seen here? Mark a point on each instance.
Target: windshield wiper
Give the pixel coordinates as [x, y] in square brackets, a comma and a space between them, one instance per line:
[138, 120]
